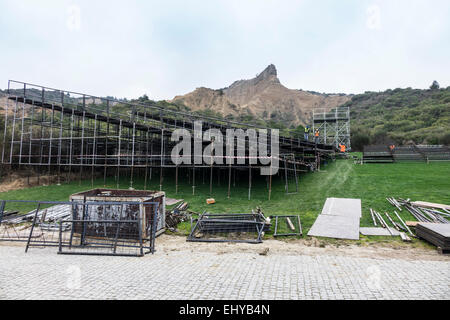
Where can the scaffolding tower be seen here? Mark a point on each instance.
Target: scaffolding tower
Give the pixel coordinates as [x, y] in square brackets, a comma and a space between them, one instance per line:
[334, 126]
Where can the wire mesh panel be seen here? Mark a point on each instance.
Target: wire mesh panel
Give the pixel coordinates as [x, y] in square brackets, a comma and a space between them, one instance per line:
[103, 237]
[46, 224]
[290, 174]
[16, 220]
[10, 231]
[238, 227]
[287, 226]
[13, 232]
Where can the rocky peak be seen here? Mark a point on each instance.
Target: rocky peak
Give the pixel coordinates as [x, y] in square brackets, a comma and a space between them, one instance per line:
[269, 72]
[261, 97]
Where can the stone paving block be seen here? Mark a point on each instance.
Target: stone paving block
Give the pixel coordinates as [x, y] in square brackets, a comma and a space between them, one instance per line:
[42, 274]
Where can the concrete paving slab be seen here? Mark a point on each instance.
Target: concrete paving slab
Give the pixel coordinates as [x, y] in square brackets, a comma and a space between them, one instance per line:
[374, 231]
[339, 219]
[339, 227]
[342, 207]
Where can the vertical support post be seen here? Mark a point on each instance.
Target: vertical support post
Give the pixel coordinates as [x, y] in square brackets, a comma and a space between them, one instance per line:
[74, 216]
[211, 170]
[146, 160]
[141, 244]
[176, 179]
[32, 227]
[13, 133]
[193, 180]
[118, 229]
[82, 144]
[249, 180]
[234, 178]
[286, 175]
[229, 180]
[161, 159]
[154, 226]
[60, 143]
[162, 151]
[83, 224]
[132, 155]
[60, 237]
[21, 133]
[210, 178]
[2, 209]
[94, 151]
[270, 178]
[5, 131]
[52, 118]
[41, 146]
[151, 160]
[72, 122]
[295, 174]
[106, 144]
[118, 154]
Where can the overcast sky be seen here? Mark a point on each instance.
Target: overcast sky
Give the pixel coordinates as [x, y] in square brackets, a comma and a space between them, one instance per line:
[166, 48]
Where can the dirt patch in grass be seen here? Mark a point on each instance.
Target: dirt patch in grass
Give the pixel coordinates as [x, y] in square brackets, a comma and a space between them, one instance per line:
[16, 182]
[19, 181]
[310, 246]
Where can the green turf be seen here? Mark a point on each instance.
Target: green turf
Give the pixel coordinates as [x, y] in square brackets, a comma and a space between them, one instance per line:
[372, 183]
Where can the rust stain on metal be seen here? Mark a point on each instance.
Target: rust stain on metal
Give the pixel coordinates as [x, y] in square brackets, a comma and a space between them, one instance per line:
[140, 211]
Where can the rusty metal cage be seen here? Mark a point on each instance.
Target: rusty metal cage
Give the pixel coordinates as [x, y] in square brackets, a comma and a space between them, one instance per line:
[130, 211]
[123, 228]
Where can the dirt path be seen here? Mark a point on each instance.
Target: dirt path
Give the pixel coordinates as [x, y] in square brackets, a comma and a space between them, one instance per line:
[334, 179]
[311, 247]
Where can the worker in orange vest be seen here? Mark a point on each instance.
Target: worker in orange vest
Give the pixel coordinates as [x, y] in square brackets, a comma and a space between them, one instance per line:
[342, 147]
[316, 135]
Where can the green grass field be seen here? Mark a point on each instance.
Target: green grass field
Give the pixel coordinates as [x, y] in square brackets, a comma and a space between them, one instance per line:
[372, 183]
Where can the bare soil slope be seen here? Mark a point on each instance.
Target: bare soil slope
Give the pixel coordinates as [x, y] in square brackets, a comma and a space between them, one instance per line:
[262, 96]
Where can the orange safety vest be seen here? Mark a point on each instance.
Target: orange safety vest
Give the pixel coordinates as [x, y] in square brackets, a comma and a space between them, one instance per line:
[316, 133]
[342, 148]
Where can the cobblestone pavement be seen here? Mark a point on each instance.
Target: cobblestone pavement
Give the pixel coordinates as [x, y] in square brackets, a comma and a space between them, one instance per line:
[42, 274]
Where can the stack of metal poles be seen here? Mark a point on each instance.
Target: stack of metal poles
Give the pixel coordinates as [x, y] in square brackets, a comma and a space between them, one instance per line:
[420, 213]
